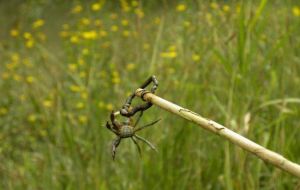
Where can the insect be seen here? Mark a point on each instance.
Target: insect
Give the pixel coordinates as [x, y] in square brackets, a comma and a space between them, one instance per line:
[127, 130]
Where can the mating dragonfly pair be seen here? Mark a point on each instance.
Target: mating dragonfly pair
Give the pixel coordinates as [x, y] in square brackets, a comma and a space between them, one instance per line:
[128, 128]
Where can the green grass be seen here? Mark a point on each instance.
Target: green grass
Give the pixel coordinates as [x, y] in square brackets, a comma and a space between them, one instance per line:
[225, 64]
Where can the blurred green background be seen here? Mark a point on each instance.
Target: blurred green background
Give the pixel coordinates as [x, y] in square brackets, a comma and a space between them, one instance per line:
[66, 64]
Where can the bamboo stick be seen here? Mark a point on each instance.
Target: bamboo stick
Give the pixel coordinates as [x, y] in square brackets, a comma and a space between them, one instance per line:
[267, 155]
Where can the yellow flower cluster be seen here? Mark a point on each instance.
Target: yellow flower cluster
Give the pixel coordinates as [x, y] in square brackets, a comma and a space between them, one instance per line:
[77, 9]
[29, 40]
[226, 8]
[32, 118]
[76, 88]
[108, 107]
[130, 66]
[83, 119]
[181, 7]
[171, 53]
[28, 37]
[96, 6]
[30, 79]
[90, 35]
[14, 32]
[38, 23]
[15, 69]
[116, 77]
[296, 11]
[196, 57]
[47, 103]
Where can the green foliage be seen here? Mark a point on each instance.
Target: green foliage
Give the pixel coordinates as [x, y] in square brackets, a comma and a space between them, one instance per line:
[66, 64]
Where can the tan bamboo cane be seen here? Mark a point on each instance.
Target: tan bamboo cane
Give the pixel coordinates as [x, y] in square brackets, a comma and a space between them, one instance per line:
[212, 126]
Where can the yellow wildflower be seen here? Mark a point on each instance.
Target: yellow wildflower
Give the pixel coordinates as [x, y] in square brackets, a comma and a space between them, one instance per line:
[82, 119]
[30, 79]
[17, 77]
[74, 39]
[14, 32]
[43, 133]
[82, 74]
[157, 21]
[187, 24]
[90, 35]
[238, 9]
[116, 77]
[171, 54]
[125, 22]
[134, 3]
[181, 7]
[84, 95]
[195, 57]
[125, 6]
[146, 46]
[47, 103]
[126, 33]
[85, 21]
[98, 22]
[77, 9]
[226, 8]
[81, 61]
[38, 23]
[116, 80]
[32, 118]
[172, 48]
[15, 57]
[96, 6]
[72, 67]
[85, 51]
[64, 34]
[103, 33]
[130, 66]
[214, 5]
[139, 13]
[114, 28]
[27, 35]
[29, 43]
[27, 62]
[75, 88]
[3, 111]
[80, 105]
[109, 107]
[115, 74]
[101, 104]
[296, 11]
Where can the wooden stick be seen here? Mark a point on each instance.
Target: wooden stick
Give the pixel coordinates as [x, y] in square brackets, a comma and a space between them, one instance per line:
[212, 126]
